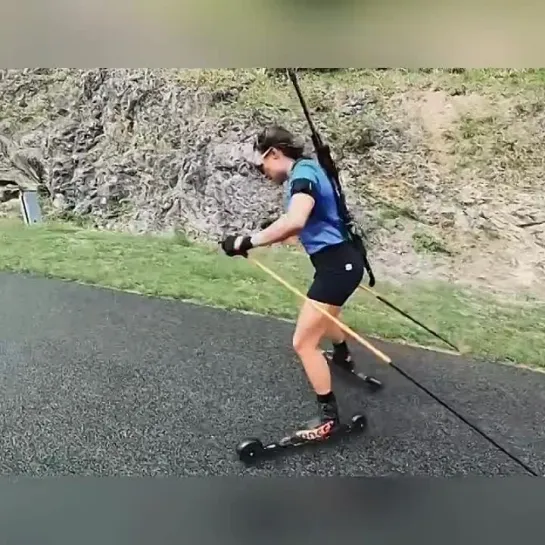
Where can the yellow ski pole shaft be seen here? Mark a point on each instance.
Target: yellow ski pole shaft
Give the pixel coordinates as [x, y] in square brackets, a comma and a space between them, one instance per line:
[336, 321]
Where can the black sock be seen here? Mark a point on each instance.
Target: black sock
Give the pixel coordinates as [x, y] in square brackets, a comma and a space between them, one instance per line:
[341, 349]
[326, 398]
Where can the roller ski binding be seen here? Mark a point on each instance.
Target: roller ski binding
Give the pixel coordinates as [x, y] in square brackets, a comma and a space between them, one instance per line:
[327, 427]
[344, 362]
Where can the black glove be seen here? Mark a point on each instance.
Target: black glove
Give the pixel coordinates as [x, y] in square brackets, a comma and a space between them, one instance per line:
[228, 246]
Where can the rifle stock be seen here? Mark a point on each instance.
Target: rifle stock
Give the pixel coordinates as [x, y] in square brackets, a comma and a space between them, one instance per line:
[323, 154]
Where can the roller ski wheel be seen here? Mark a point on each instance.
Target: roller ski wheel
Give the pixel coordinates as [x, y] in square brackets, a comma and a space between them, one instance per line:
[359, 422]
[251, 450]
[371, 382]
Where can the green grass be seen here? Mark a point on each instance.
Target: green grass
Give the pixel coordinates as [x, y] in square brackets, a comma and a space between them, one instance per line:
[427, 243]
[175, 267]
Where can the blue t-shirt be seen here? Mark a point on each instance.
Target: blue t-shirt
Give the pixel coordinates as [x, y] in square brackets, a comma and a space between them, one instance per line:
[324, 226]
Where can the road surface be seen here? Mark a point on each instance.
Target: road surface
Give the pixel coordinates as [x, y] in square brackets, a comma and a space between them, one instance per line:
[100, 382]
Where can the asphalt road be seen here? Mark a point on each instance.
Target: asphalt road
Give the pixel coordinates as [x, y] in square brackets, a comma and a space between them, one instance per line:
[98, 382]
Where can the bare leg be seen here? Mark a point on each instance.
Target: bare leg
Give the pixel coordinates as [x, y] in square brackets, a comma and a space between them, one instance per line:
[311, 327]
[334, 333]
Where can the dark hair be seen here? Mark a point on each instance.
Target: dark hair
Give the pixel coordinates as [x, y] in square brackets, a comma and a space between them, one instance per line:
[276, 136]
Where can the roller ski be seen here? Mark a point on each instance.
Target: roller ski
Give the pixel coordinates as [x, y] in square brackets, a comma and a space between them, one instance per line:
[340, 358]
[327, 427]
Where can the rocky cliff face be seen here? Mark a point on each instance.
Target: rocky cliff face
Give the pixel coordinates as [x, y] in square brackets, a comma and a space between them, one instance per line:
[442, 168]
[134, 149]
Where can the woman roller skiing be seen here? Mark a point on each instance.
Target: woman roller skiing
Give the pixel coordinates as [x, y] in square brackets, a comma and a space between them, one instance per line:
[311, 213]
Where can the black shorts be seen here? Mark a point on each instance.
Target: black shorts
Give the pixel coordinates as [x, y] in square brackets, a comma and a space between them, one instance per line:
[339, 271]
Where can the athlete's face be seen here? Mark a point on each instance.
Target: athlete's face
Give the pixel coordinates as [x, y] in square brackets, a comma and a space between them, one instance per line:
[275, 165]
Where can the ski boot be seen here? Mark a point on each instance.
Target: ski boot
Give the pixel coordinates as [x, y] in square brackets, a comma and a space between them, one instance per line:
[320, 428]
[341, 358]
[326, 427]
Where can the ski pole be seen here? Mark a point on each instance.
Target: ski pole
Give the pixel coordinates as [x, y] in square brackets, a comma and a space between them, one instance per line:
[336, 321]
[408, 316]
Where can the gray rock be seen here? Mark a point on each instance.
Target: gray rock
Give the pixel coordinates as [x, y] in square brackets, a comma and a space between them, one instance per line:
[154, 150]
[7, 193]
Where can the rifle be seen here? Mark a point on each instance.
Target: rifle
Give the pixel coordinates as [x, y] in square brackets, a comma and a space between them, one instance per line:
[323, 154]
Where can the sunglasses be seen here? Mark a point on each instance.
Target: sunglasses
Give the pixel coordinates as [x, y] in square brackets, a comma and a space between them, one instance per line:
[262, 157]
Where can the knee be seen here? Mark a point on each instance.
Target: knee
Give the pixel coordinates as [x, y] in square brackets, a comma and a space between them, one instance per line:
[302, 344]
[297, 343]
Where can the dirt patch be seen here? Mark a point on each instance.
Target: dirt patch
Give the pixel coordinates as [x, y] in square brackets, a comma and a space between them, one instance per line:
[437, 112]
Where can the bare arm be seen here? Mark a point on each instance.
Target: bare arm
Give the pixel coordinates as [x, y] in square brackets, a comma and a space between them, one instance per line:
[292, 241]
[289, 224]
